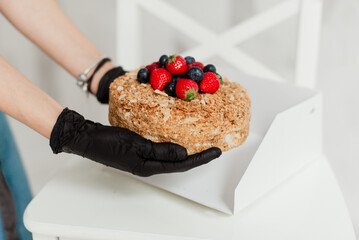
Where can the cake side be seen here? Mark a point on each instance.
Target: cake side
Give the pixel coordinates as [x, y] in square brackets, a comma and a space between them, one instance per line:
[212, 120]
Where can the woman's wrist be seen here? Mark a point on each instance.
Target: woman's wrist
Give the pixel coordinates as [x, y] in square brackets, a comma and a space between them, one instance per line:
[98, 75]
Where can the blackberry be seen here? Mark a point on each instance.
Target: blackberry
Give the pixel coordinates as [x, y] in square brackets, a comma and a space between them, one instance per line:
[196, 74]
[162, 61]
[170, 89]
[209, 68]
[189, 59]
[175, 78]
[143, 75]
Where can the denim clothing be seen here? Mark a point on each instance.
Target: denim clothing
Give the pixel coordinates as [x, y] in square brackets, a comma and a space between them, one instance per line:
[14, 188]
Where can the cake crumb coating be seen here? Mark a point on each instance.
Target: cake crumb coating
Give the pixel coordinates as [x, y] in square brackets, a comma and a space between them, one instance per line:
[212, 120]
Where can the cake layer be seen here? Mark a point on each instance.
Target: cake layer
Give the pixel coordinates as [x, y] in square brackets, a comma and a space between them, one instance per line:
[212, 120]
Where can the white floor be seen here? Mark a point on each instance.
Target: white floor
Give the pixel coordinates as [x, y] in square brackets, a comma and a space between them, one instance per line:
[338, 78]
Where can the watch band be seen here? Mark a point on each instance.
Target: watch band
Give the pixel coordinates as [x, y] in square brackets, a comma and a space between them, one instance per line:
[99, 65]
[82, 79]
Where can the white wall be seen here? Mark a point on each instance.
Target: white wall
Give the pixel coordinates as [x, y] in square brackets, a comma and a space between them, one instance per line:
[339, 81]
[338, 73]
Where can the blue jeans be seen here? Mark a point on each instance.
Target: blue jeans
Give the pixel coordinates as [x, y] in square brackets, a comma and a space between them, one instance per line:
[14, 182]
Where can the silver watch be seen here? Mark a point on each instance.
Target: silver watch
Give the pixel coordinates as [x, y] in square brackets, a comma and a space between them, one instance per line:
[82, 79]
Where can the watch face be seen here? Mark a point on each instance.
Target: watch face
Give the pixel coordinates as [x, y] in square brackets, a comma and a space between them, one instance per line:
[82, 77]
[81, 80]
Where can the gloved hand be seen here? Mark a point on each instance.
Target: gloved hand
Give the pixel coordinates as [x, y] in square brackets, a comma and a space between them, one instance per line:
[121, 148]
[103, 90]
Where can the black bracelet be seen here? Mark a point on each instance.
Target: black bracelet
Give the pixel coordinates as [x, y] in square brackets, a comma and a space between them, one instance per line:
[99, 65]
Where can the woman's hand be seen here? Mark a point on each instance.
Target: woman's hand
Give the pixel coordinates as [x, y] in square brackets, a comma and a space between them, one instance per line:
[100, 85]
[121, 148]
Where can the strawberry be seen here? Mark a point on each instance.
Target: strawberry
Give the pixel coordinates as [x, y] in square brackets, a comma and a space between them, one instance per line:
[159, 77]
[176, 65]
[152, 67]
[210, 83]
[196, 64]
[186, 89]
[220, 78]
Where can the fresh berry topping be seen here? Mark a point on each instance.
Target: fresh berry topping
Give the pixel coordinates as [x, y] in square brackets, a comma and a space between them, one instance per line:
[220, 78]
[186, 89]
[210, 83]
[209, 68]
[143, 75]
[196, 64]
[159, 77]
[189, 59]
[170, 89]
[163, 60]
[152, 67]
[196, 74]
[175, 78]
[176, 65]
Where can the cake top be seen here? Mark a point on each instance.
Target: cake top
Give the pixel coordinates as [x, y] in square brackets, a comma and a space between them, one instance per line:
[180, 77]
[226, 106]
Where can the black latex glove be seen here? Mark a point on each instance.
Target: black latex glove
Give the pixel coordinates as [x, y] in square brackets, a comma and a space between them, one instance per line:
[121, 148]
[102, 94]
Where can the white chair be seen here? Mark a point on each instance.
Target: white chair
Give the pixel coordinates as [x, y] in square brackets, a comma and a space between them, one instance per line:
[224, 44]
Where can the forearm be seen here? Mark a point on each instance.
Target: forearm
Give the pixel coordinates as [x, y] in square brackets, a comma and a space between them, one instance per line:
[24, 101]
[45, 24]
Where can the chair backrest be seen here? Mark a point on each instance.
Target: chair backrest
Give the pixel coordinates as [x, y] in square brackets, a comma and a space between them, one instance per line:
[225, 44]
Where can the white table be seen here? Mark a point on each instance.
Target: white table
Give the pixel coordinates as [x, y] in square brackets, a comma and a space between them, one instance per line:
[89, 201]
